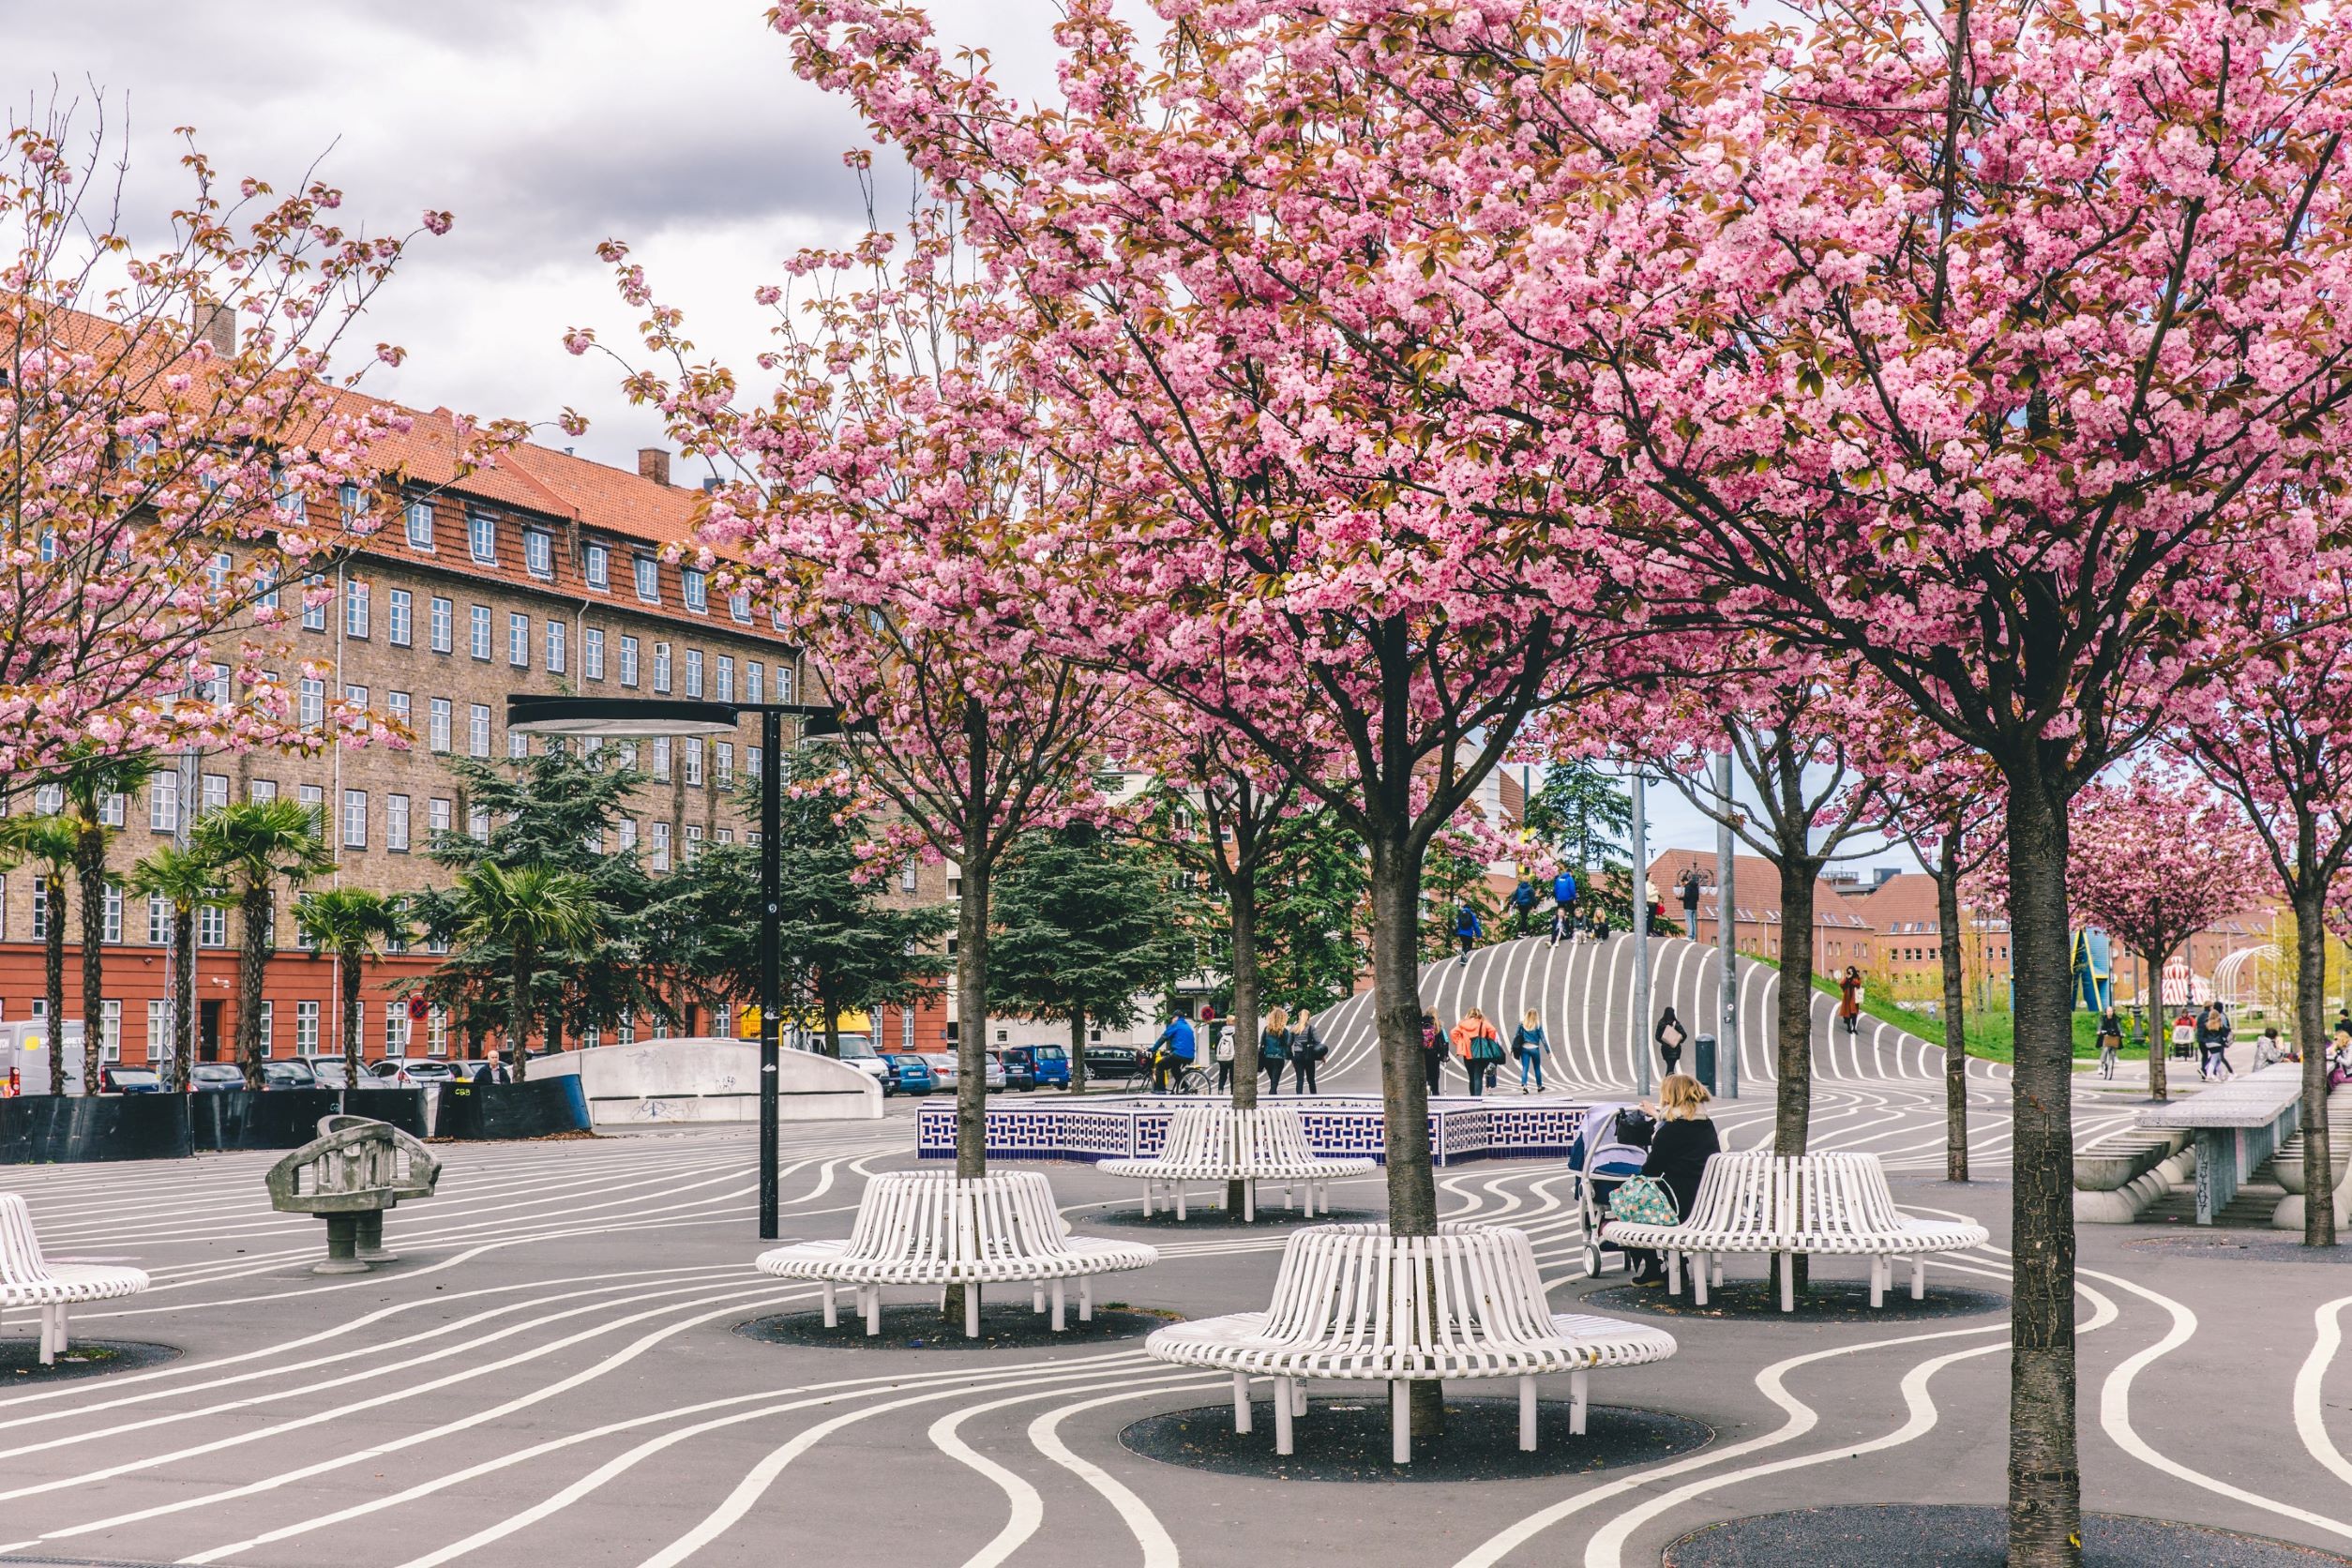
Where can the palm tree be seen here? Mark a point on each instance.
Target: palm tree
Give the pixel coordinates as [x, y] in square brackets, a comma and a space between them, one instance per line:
[48, 841]
[258, 844]
[190, 882]
[351, 923]
[90, 779]
[526, 911]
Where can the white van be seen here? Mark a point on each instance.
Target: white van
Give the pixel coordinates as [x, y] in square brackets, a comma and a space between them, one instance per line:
[24, 1058]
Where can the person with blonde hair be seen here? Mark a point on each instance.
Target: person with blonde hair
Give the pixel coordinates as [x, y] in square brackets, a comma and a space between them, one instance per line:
[1529, 1046]
[1274, 1046]
[1678, 1152]
[1480, 1048]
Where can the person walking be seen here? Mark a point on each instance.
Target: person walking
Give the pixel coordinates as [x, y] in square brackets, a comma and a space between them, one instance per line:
[1224, 1054]
[2213, 1032]
[2110, 1041]
[1528, 1045]
[1669, 1035]
[1849, 991]
[1274, 1047]
[1684, 1141]
[1307, 1050]
[1523, 902]
[1467, 928]
[1480, 1048]
[1433, 1045]
[1171, 1053]
[1563, 905]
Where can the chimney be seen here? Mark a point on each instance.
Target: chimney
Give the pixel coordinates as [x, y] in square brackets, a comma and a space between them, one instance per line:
[216, 324]
[652, 463]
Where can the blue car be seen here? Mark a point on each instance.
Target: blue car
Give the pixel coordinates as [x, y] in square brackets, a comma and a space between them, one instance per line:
[1048, 1066]
[909, 1075]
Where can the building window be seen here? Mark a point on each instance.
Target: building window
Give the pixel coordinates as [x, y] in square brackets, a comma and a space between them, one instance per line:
[625, 834]
[725, 678]
[113, 918]
[481, 538]
[518, 745]
[356, 697]
[555, 649]
[314, 796]
[437, 818]
[40, 920]
[398, 705]
[395, 1030]
[163, 801]
[480, 630]
[420, 525]
[648, 579]
[159, 1031]
[355, 819]
[628, 661]
[310, 704]
[596, 561]
[440, 616]
[661, 846]
[538, 553]
[592, 653]
[694, 672]
[401, 615]
[306, 1028]
[437, 1031]
[212, 927]
[478, 730]
[396, 823]
[477, 825]
[783, 683]
[739, 606]
[692, 847]
[261, 789]
[215, 690]
[265, 588]
[694, 760]
[724, 834]
[111, 1029]
[518, 641]
[661, 668]
[439, 732]
[215, 790]
[314, 597]
[269, 1018]
[694, 588]
[751, 761]
[751, 681]
[159, 920]
[661, 759]
[355, 607]
[723, 763]
[110, 808]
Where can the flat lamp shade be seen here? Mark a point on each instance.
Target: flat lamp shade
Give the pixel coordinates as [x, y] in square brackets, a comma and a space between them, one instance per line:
[618, 717]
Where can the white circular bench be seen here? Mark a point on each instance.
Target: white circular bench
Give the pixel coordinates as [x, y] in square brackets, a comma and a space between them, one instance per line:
[1356, 1302]
[926, 1227]
[28, 1279]
[1219, 1143]
[1761, 1202]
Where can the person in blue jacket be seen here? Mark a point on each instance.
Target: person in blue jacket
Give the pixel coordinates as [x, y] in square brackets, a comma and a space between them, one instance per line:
[1171, 1053]
[1523, 900]
[1563, 905]
[1468, 928]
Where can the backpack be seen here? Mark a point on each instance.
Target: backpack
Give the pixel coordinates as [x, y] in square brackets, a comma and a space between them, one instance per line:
[1636, 1127]
[1523, 895]
[1644, 1200]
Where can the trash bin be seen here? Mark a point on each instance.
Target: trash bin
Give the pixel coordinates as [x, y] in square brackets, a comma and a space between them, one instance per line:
[1703, 1060]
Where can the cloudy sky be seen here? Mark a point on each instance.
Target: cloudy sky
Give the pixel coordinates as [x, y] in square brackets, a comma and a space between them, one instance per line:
[676, 125]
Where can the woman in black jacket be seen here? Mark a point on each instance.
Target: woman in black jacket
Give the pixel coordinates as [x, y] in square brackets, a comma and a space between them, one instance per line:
[1678, 1152]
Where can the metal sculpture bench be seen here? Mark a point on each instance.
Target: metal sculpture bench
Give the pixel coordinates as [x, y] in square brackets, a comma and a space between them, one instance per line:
[29, 1279]
[1356, 1302]
[1833, 1205]
[921, 1228]
[1219, 1143]
[349, 1175]
[2237, 1125]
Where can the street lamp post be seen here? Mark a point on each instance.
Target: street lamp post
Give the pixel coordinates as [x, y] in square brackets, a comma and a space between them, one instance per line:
[629, 717]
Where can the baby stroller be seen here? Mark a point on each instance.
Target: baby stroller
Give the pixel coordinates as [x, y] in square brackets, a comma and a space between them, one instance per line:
[1611, 1143]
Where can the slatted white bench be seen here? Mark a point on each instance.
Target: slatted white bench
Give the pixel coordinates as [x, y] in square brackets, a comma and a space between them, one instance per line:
[28, 1279]
[1761, 1202]
[1219, 1143]
[1356, 1302]
[936, 1229]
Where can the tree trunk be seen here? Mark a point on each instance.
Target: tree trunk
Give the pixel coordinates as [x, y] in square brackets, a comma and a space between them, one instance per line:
[2310, 1032]
[252, 961]
[519, 1011]
[1792, 1117]
[2044, 1476]
[181, 1067]
[352, 1043]
[53, 978]
[89, 859]
[971, 1015]
[1412, 1190]
[476, 1033]
[1955, 1013]
[1240, 896]
[2151, 999]
[1078, 1047]
[832, 1025]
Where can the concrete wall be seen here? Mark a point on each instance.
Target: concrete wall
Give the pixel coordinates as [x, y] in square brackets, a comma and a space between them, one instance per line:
[657, 1081]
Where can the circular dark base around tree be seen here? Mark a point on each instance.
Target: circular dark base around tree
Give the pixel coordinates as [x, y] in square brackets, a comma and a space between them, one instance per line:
[1007, 1324]
[1827, 1300]
[1202, 1216]
[21, 1360]
[1345, 1436]
[1859, 1536]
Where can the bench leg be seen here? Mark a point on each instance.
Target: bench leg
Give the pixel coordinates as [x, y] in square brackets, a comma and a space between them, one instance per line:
[343, 1246]
[1086, 1297]
[1057, 1306]
[1527, 1415]
[1241, 1402]
[1714, 1264]
[1036, 1295]
[1283, 1443]
[1298, 1396]
[1878, 1282]
[1919, 1279]
[1249, 1200]
[870, 1298]
[971, 1309]
[370, 1239]
[1180, 1202]
[1400, 1421]
[48, 1335]
[1577, 1391]
[1789, 1282]
[833, 1312]
[1700, 1268]
[1151, 1190]
[1674, 1272]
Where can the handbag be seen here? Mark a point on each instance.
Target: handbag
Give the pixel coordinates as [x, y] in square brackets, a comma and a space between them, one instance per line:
[1487, 1048]
[1644, 1200]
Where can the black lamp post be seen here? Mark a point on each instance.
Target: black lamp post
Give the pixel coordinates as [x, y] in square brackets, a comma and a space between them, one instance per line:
[635, 718]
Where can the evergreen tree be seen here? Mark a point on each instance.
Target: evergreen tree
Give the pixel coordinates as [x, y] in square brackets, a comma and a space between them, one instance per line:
[1585, 816]
[1453, 873]
[1087, 930]
[1316, 915]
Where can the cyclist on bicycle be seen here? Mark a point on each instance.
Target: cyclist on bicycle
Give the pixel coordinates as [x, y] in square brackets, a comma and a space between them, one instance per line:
[1171, 1053]
[2110, 1041]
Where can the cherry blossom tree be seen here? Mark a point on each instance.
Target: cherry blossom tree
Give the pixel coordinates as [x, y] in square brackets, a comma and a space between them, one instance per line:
[2278, 746]
[2155, 860]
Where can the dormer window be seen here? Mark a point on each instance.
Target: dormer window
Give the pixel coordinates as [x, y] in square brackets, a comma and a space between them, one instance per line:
[481, 538]
[648, 579]
[695, 588]
[420, 525]
[599, 564]
[538, 553]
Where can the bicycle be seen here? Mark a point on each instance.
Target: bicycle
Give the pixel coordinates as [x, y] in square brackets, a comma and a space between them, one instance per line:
[1181, 1077]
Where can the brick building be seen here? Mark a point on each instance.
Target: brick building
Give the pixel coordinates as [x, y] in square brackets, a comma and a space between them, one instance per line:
[541, 574]
[1841, 934]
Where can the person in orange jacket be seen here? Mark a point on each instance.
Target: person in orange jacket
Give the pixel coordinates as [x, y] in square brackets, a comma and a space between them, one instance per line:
[1480, 1048]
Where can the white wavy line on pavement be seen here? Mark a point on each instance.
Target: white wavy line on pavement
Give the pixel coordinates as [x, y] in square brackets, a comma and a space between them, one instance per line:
[1045, 1433]
[2311, 1422]
[763, 1475]
[2114, 1413]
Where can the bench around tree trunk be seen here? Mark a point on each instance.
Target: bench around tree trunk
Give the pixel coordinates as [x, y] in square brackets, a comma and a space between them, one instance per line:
[27, 1278]
[1220, 1143]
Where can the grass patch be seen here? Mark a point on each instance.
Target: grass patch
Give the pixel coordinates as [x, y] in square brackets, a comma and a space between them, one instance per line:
[1992, 1036]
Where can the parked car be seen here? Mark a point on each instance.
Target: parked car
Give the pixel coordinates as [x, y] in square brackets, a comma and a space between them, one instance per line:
[432, 1069]
[288, 1074]
[1019, 1072]
[858, 1051]
[215, 1078]
[909, 1075]
[1047, 1067]
[129, 1080]
[945, 1067]
[1117, 1063]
